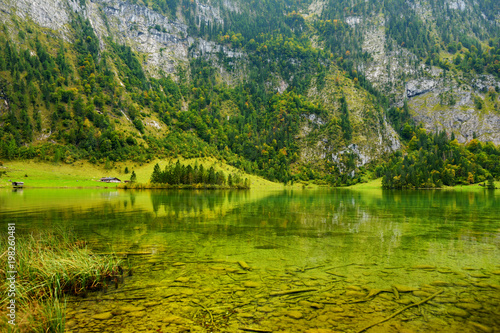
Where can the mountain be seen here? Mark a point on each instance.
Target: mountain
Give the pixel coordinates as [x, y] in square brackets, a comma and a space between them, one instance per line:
[287, 89]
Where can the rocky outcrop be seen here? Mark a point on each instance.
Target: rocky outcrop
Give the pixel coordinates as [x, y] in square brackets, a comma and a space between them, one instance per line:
[51, 14]
[386, 68]
[419, 87]
[372, 137]
[462, 121]
[163, 42]
[137, 26]
[428, 89]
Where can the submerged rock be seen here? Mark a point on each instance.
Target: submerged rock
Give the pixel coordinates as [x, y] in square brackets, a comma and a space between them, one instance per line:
[172, 319]
[151, 304]
[404, 301]
[420, 293]
[481, 327]
[404, 289]
[352, 293]
[70, 323]
[182, 279]
[479, 275]
[425, 267]
[251, 284]
[137, 314]
[265, 308]
[458, 312]
[441, 284]
[445, 299]
[103, 316]
[355, 288]
[295, 314]
[131, 308]
[336, 309]
[469, 306]
[317, 305]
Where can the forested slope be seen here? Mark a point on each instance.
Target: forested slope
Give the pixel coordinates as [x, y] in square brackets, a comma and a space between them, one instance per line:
[288, 90]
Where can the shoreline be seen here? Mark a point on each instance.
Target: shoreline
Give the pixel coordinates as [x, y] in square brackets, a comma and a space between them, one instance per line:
[83, 175]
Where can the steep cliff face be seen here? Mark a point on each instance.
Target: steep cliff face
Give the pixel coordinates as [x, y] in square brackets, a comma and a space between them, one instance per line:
[50, 14]
[387, 68]
[444, 104]
[372, 136]
[402, 75]
[137, 26]
[163, 43]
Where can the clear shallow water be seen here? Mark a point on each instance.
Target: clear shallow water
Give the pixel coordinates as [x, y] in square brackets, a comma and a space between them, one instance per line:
[362, 255]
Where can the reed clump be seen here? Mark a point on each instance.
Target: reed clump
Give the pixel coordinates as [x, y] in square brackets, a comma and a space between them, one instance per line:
[49, 266]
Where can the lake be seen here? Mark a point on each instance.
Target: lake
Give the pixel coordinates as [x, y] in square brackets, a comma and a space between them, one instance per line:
[327, 260]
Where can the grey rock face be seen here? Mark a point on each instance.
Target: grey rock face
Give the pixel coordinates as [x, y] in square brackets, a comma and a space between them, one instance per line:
[419, 87]
[136, 26]
[52, 14]
[464, 123]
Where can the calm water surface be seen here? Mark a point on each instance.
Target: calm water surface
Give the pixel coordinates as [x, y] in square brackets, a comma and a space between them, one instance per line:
[281, 261]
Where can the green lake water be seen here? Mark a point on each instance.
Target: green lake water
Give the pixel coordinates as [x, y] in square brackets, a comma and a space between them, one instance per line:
[280, 261]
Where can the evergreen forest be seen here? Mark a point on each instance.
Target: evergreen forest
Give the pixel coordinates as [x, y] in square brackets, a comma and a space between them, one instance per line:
[276, 66]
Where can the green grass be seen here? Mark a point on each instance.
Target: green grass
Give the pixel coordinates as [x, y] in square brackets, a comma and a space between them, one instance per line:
[371, 185]
[50, 265]
[83, 174]
[377, 185]
[36, 174]
[471, 188]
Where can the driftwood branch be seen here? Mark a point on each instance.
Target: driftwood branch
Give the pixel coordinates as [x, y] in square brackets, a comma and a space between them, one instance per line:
[399, 311]
[292, 291]
[207, 310]
[248, 329]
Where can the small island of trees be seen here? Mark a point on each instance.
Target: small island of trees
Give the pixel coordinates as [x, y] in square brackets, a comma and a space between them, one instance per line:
[187, 176]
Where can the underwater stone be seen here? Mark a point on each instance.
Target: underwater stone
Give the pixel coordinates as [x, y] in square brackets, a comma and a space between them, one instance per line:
[404, 289]
[441, 284]
[481, 327]
[426, 267]
[420, 293]
[295, 314]
[265, 308]
[355, 288]
[404, 301]
[337, 309]
[251, 284]
[182, 279]
[103, 316]
[458, 312]
[469, 306]
[479, 275]
[352, 293]
[70, 323]
[445, 299]
[150, 304]
[131, 308]
[317, 305]
[171, 319]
